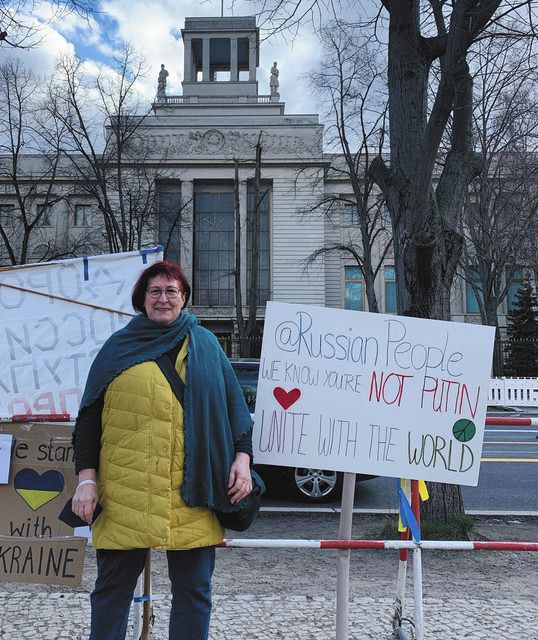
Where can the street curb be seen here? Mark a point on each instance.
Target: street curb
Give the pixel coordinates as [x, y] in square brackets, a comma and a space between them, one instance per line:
[388, 512]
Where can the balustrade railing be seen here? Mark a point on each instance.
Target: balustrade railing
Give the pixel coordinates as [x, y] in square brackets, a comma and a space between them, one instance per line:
[167, 100]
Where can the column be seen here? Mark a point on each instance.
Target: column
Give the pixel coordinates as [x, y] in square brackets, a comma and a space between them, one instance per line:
[234, 74]
[187, 228]
[205, 58]
[252, 57]
[187, 60]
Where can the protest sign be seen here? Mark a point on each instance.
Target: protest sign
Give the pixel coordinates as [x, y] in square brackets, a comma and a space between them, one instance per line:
[5, 457]
[41, 480]
[372, 393]
[33, 542]
[54, 317]
[42, 560]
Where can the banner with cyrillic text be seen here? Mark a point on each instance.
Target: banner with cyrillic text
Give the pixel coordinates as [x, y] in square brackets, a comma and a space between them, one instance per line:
[54, 317]
[372, 393]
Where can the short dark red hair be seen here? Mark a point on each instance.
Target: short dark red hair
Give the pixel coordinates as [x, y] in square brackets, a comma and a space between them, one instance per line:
[164, 268]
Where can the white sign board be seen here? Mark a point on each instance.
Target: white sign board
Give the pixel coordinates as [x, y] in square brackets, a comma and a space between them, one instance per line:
[371, 393]
[6, 441]
[54, 317]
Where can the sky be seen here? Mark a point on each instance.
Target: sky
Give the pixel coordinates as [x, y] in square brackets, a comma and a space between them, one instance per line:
[154, 30]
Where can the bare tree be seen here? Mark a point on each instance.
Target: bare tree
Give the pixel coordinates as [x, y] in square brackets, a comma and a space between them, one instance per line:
[426, 212]
[426, 206]
[501, 213]
[172, 225]
[238, 284]
[19, 29]
[30, 164]
[248, 328]
[530, 254]
[121, 176]
[254, 226]
[354, 91]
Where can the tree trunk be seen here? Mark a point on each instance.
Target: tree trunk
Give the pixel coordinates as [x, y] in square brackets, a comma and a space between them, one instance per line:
[237, 270]
[444, 504]
[427, 244]
[498, 355]
[252, 328]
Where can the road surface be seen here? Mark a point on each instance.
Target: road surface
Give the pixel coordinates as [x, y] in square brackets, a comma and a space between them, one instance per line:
[508, 477]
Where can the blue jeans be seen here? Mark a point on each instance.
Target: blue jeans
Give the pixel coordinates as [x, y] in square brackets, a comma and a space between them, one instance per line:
[190, 574]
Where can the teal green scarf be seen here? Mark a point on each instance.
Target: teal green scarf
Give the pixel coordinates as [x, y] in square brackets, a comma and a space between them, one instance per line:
[215, 413]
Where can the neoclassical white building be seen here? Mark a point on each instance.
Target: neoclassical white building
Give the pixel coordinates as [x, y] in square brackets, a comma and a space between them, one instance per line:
[199, 140]
[218, 120]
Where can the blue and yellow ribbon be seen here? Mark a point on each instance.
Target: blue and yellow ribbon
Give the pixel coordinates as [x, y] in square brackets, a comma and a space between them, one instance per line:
[407, 517]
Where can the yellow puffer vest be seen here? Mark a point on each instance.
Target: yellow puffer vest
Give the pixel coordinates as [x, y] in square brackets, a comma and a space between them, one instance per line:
[141, 467]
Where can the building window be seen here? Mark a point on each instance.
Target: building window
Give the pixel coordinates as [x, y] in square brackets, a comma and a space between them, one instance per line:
[513, 287]
[353, 289]
[44, 213]
[471, 302]
[7, 216]
[214, 250]
[391, 305]
[83, 215]
[350, 215]
[170, 219]
[264, 254]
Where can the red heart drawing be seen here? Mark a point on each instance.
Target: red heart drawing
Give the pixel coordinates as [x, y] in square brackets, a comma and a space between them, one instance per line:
[286, 398]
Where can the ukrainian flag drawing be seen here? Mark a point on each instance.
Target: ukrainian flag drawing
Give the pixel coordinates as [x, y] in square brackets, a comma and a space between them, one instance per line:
[36, 490]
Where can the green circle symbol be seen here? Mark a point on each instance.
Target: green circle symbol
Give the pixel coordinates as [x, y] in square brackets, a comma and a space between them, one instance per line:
[464, 430]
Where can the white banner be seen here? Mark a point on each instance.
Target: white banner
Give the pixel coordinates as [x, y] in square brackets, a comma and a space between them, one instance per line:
[372, 393]
[54, 317]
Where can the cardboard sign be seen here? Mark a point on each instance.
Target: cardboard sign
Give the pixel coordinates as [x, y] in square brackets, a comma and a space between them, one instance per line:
[42, 560]
[41, 480]
[54, 317]
[5, 457]
[372, 393]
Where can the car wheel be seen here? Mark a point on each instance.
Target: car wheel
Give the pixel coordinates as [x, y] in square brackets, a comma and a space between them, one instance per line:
[316, 485]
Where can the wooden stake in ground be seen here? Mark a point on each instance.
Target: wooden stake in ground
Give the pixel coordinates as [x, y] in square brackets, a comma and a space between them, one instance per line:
[342, 577]
[146, 611]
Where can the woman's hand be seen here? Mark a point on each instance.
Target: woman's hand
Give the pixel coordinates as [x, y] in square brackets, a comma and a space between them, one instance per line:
[85, 498]
[240, 482]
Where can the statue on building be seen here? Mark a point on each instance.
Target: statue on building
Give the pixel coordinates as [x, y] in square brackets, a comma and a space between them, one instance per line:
[161, 83]
[273, 80]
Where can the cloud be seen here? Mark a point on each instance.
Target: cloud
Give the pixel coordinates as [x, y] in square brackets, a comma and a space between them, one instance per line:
[295, 59]
[41, 58]
[154, 31]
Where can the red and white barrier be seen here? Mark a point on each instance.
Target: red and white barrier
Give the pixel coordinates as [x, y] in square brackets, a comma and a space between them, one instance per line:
[512, 422]
[451, 545]
[402, 546]
[65, 417]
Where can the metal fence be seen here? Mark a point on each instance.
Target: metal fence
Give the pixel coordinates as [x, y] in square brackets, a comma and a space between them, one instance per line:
[501, 354]
[235, 347]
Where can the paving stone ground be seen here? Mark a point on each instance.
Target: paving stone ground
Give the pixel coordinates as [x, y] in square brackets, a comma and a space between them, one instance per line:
[249, 617]
[288, 594]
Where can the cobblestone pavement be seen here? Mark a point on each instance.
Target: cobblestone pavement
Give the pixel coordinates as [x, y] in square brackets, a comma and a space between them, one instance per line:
[53, 616]
[289, 594]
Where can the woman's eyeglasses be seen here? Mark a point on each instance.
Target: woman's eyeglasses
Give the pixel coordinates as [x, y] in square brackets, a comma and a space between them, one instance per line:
[156, 293]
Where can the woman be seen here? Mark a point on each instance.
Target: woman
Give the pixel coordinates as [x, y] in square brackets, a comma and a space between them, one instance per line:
[158, 465]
